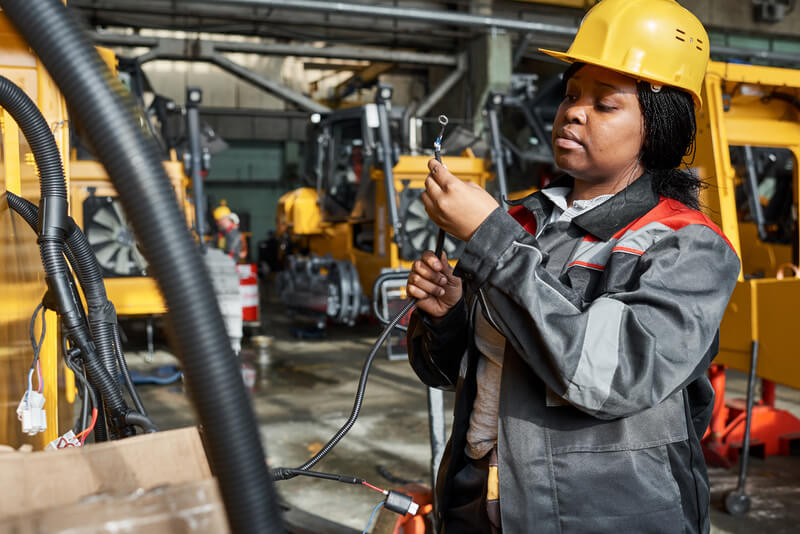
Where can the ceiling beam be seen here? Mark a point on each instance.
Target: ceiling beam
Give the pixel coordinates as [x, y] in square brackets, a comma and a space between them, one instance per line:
[180, 47]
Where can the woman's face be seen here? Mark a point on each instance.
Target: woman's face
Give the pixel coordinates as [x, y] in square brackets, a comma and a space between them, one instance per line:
[598, 130]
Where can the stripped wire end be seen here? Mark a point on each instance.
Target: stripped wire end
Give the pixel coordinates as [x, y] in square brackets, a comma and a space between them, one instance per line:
[85, 434]
[376, 488]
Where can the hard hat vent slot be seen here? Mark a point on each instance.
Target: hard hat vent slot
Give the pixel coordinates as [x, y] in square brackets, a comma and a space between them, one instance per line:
[678, 37]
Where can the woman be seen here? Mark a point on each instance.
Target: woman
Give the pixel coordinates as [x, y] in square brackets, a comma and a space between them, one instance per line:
[577, 327]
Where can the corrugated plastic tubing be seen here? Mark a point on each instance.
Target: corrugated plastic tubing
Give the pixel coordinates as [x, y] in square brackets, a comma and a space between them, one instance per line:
[134, 165]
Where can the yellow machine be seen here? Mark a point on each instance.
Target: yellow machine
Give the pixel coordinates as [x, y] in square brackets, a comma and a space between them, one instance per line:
[754, 109]
[94, 207]
[364, 218]
[21, 278]
[747, 149]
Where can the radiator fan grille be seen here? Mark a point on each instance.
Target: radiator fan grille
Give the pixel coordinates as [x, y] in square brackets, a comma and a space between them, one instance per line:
[419, 232]
[112, 238]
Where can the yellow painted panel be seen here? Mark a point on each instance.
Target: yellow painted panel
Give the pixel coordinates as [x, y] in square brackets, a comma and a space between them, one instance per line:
[768, 133]
[738, 73]
[135, 296]
[11, 154]
[779, 356]
[49, 360]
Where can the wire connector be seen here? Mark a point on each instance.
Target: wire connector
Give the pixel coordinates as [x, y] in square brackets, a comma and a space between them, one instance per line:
[31, 413]
[67, 441]
[400, 503]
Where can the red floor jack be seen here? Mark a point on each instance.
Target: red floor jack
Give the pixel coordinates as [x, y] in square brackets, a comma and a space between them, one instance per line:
[773, 431]
[738, 426]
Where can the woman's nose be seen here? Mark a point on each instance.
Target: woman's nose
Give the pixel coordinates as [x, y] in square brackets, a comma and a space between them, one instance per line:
[575, 114]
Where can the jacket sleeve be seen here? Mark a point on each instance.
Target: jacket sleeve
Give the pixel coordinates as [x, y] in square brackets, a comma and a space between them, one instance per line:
[625, 351]
[435, 350]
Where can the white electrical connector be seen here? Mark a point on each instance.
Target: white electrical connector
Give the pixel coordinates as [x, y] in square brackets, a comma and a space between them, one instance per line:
[66, 441]
[32, 413]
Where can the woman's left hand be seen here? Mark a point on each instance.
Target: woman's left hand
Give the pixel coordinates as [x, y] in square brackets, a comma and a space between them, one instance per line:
[456, 207]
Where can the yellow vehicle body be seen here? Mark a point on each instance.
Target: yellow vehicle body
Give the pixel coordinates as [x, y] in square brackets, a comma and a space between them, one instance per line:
[134, 295]
[22, 282]
[761, 309]
[299, 213]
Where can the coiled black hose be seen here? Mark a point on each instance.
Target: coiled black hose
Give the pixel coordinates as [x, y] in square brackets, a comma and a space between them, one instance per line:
[135, 167]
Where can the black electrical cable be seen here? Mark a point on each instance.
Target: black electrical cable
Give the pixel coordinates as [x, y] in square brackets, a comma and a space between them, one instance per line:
[135, 418]
[83, 261]
[37, 346]
[92, 394]
[282, 473]
[137, 172]
[51, 229]
[85, 265]
[126, 374]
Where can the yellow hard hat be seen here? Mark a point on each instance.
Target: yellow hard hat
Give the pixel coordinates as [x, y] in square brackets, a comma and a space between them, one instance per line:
[221, 211]
[657, 41]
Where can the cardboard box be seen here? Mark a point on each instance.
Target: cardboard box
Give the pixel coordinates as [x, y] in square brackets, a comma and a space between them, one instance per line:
[151, 483]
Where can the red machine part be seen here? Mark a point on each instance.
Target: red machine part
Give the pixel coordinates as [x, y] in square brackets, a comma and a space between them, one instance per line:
[772, 431]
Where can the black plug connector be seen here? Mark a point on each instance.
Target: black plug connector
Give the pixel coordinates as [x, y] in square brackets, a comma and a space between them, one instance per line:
[400, 503]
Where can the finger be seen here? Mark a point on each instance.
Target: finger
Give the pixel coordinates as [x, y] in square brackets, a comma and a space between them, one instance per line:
[427, 286]
[430, 259]
[432, 186]
[417, 293]
[430, 205]
[439, 172]
[420, 268]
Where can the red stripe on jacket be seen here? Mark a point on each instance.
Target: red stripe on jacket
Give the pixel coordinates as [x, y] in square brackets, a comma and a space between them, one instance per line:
[675, 215]
[525, 218]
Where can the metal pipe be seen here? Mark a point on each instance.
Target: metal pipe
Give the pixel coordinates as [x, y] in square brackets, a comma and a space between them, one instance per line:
[382, 98]
[751, 391]
[403, 13]
[522, 46]
[280, 49]
[751, 186]
[194, 95]
[265, 83]
[493, 106]
[443, 88]
[781, 58]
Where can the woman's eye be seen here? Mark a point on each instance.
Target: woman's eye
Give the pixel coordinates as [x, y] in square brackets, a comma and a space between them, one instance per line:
[604, 107]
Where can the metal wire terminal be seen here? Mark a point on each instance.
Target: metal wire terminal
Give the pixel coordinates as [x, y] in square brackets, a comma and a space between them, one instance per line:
[437, 143]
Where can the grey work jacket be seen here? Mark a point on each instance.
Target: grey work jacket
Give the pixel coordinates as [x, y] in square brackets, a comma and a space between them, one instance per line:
[611, 321]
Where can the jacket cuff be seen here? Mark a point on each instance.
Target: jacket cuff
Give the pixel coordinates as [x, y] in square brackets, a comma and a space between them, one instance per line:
[443, 325]
[492, 238]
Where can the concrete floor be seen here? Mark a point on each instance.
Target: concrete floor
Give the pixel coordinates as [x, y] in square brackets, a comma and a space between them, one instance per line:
[308, 393]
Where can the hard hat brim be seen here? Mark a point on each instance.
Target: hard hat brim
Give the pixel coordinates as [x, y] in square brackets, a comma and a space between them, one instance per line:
[568, 58]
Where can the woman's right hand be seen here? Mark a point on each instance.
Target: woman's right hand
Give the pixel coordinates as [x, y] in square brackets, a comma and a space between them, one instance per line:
[433, 284]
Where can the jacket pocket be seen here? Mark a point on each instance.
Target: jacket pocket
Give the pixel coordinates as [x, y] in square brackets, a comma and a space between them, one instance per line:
[575, 431]
[617, 491]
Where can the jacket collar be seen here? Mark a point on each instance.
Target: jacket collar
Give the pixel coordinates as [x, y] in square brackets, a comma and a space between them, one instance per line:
[609, 217]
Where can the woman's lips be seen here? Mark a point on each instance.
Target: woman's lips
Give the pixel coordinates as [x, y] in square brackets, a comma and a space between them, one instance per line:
[563, 142]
